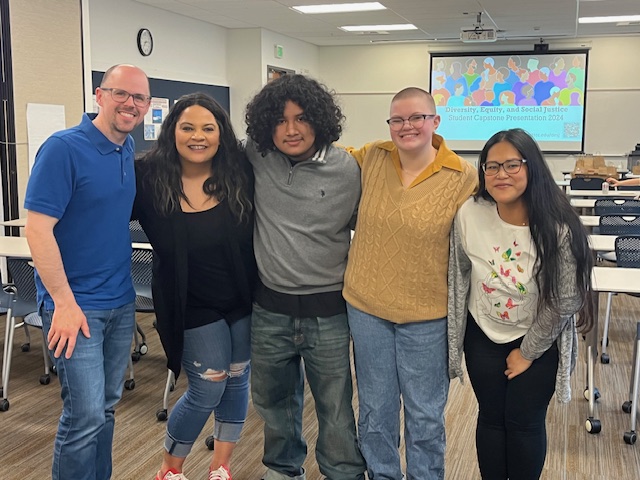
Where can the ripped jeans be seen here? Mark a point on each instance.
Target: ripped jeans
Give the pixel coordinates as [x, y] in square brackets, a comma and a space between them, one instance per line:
[216, 361]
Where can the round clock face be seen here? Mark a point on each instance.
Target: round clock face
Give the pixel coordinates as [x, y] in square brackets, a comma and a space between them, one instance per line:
[145, 42]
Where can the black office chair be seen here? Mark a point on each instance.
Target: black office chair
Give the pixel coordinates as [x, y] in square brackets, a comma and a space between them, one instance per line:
[22, 304]
[141, 272]
[617, 206]
[581, 183]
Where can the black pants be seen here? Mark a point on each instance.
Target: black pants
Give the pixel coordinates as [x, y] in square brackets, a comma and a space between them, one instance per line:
[511, 437]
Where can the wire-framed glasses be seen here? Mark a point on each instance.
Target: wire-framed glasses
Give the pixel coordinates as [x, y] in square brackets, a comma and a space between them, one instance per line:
[122, 96]
[415, 121]
[510, 166]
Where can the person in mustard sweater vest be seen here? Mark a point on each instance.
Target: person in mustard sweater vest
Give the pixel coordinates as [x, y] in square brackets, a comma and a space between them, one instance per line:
[396, 288]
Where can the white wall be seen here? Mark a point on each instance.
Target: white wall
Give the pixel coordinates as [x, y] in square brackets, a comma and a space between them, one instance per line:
[184, 49]
[250, 51]
[366, 78]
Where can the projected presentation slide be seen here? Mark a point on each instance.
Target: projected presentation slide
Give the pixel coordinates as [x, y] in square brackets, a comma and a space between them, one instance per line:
[480, 94]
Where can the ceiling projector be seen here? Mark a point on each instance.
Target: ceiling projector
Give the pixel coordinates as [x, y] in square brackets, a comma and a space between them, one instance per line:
[478, 34]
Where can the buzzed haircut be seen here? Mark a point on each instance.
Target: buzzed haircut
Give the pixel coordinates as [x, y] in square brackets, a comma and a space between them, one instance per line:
[410, 92]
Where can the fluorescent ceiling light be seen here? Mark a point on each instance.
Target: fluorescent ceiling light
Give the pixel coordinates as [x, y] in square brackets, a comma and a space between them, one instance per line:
[377, 28]
[340, 7]
[613, 19]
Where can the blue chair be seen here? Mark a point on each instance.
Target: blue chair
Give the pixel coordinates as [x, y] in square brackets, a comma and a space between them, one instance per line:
[582, 183]
[617, 206]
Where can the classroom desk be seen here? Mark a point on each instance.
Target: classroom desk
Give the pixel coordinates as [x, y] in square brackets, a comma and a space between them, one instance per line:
[598, 193]
[604, 279]
[590, 220]
[603, 243]
[18, 247]
[16, 222]
[583, 202]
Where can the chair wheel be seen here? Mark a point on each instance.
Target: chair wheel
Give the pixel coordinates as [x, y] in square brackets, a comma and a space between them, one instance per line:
[45, 380]
[25, 347]
[143, 349]
[209, 442]
[630, 437]
[596, 394]
[593, 425]
[161, 415]
[4, 405]
[604, 358]
[135, 356]
[130, 384]
[53, 370]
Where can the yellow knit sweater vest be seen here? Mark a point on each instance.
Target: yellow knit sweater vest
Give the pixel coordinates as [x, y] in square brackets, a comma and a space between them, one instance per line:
[398, 260]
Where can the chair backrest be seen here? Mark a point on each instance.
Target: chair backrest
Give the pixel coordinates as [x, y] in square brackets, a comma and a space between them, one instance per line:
[580, 183]
[619, 225]
[628, 251]
[617, 206]
[137, 233]
[141, 274]
[25, 299]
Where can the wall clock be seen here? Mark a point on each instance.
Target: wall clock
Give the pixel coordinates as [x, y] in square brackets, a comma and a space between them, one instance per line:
[145, 42]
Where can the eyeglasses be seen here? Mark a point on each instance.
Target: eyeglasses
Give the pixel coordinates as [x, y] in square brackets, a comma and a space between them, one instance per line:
[415, 121]
[510, 166]
[122, 96]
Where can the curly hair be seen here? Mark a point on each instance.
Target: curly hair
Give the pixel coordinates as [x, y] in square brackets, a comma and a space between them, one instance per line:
[315, 99]
[230, 174]
[549, 212]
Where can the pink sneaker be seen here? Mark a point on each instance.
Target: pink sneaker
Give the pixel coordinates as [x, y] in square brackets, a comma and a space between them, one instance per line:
[171, 475]
[222, 473]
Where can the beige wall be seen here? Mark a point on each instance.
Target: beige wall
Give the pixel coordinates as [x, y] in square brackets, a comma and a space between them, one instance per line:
[47, 66]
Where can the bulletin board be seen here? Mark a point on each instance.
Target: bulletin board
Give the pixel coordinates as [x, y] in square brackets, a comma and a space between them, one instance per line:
[171, 90]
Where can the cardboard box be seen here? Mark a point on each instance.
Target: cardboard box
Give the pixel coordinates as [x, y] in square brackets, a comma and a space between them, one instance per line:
[593, 166]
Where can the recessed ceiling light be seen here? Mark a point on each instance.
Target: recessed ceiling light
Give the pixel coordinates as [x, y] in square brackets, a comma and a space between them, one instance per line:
[340, 7]
[375, 28]
[612, 19]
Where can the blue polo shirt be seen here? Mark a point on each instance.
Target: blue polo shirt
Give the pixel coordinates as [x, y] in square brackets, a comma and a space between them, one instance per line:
[88, 183]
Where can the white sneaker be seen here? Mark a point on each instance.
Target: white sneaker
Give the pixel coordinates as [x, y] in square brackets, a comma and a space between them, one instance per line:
[222, 473]
[171, 476]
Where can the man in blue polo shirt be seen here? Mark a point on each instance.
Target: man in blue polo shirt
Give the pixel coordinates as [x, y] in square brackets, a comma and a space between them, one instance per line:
[79, 199]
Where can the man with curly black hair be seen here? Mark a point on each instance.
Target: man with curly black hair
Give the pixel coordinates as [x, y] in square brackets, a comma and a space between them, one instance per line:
[306, 197]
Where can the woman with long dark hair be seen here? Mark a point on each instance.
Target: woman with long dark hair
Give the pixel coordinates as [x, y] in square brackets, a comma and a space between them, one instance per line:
[194, 202]
[519, 276]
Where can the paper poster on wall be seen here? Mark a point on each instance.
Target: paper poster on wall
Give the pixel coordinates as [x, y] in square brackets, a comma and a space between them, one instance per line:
[158, 110]
[42, 121]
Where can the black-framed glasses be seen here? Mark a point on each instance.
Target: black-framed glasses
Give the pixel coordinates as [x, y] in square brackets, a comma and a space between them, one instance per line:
[510, 166]
[122, 96]
[416, 121]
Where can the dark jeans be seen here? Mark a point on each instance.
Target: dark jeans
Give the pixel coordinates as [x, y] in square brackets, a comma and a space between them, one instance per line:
[283, 349]
[511, 437]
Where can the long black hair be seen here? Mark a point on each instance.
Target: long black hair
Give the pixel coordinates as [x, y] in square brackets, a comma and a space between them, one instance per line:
[230, 174]
[316, 101]
[549, 213]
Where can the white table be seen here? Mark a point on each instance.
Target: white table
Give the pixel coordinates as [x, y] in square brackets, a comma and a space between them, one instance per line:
[598, 193]
[590, 220]
[583, 202]
[602, 243]
[16, 222]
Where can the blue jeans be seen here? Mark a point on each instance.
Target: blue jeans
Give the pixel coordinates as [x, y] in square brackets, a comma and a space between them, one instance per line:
[401, 360]
[215, 358]
[91, 381]
[279, 345]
